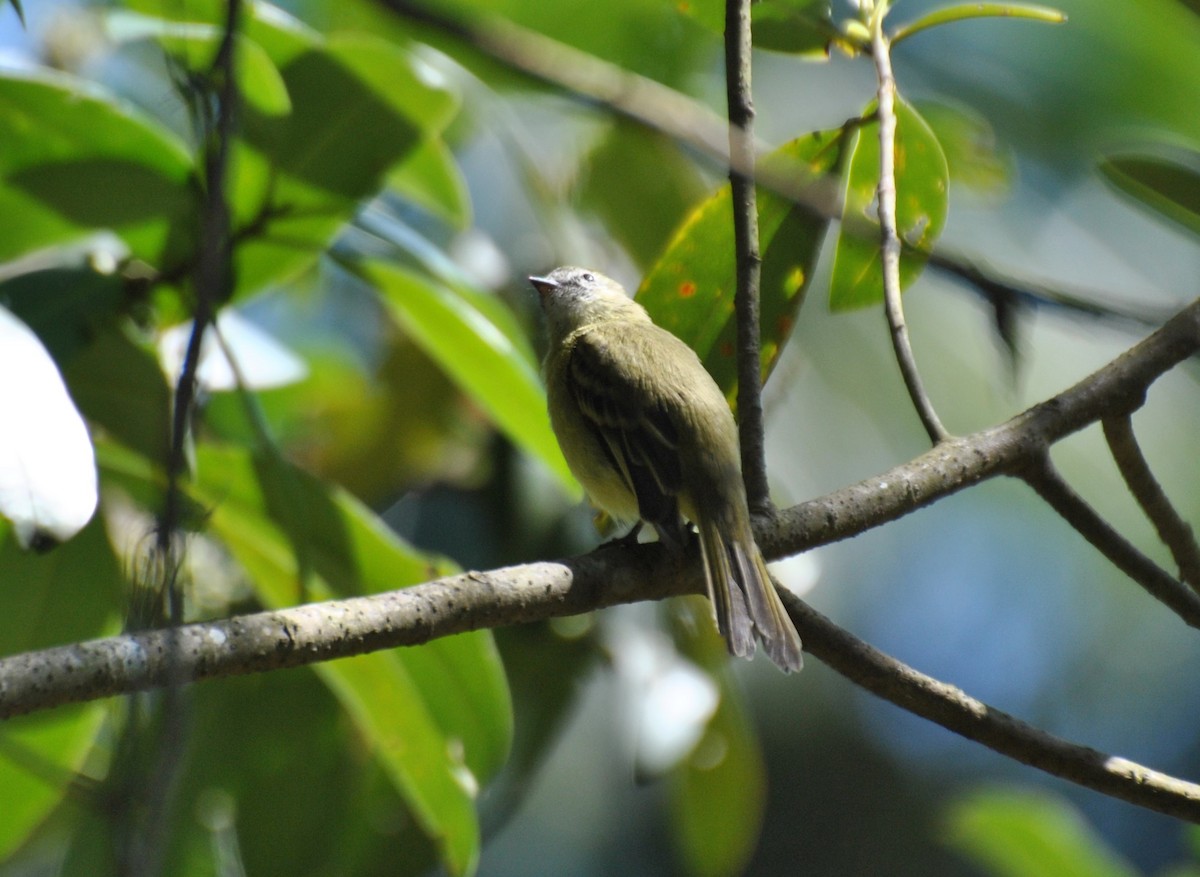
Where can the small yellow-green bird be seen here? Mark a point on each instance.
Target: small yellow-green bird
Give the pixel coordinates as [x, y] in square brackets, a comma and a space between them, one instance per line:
[651, 438]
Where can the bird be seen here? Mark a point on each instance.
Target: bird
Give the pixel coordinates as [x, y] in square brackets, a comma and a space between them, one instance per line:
[649, 435]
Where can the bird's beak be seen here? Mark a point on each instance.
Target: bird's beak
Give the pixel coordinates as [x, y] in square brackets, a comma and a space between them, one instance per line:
[544, 285]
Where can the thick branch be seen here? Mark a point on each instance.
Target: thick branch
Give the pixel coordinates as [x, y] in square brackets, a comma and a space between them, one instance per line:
[749, 260]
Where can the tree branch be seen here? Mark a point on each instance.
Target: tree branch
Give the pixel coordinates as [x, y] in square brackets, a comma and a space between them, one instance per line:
[957, 711]
[749, 260]
[1157, 582]
[1172, 529]
[889, 251]
[607, 576]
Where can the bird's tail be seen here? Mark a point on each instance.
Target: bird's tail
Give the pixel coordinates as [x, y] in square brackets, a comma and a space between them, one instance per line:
[744, 598]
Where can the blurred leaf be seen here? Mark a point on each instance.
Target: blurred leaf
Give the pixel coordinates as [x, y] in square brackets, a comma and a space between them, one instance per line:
[921, 201]
[1170, 186]
[799, 27]
[690, 289]
[477, 355]
[67, 595]
[73, 160]
[396, 706]
[16, 5]
[1020, 833]
[47, 466]
[802, 27]
[66, 305]
[429, 177]
[117, 383]
[641, 185]
[973, 156]
[718, 795]
[306, 172]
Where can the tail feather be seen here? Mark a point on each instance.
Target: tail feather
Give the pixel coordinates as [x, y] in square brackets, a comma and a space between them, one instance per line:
[745, 601]
[729, 602]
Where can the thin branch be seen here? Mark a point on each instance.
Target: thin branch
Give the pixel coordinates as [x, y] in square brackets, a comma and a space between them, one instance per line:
[998, 290]
[950, 707]
[212, 277]
[889, 236]
[960, 462]
[1174, 531]
[640, 99]
[749, 260]
[1157, 582]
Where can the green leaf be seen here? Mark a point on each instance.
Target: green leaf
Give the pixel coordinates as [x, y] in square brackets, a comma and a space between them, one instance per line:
[718, 795]
[690, 289]
[67, 595]
[922, 178]
[973, 156]
[74, 160]
[439, 722]
[631, 159]
[16, 5]
[117, 383]
[1021, 833]
[359, 107]
[798, 27]
[476, 354]
[1168, 184]
[429, 177]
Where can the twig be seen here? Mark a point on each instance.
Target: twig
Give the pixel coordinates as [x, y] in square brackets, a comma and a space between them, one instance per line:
[1157, 582]
[1174, 531]
[749, 260]
[889, 236]
[999, 291]
[638, 98]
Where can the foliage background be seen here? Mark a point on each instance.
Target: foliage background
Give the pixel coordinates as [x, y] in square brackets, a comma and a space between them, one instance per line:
[302, 772]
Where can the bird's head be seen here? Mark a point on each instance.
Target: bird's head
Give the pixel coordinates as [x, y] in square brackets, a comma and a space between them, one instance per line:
[575, 297]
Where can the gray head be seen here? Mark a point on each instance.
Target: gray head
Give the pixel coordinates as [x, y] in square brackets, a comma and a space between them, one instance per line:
[574, 297]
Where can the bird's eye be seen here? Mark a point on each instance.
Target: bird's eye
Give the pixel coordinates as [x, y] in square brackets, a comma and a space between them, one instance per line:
[589, 277]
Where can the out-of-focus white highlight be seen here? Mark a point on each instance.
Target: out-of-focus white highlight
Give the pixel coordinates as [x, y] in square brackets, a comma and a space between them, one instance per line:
[262, 362]
[670, 699]
[47, 464]
[799, 574]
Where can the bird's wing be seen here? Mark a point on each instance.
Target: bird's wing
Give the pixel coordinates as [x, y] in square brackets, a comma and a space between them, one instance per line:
[632, 425]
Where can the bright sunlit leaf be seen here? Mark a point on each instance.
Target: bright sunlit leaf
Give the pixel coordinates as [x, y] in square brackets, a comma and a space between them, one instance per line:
[47, 465]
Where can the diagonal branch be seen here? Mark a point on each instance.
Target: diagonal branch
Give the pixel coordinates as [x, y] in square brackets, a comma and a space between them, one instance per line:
[1174, 531]
[749, 260]
[1159, 583]
[957, 711]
